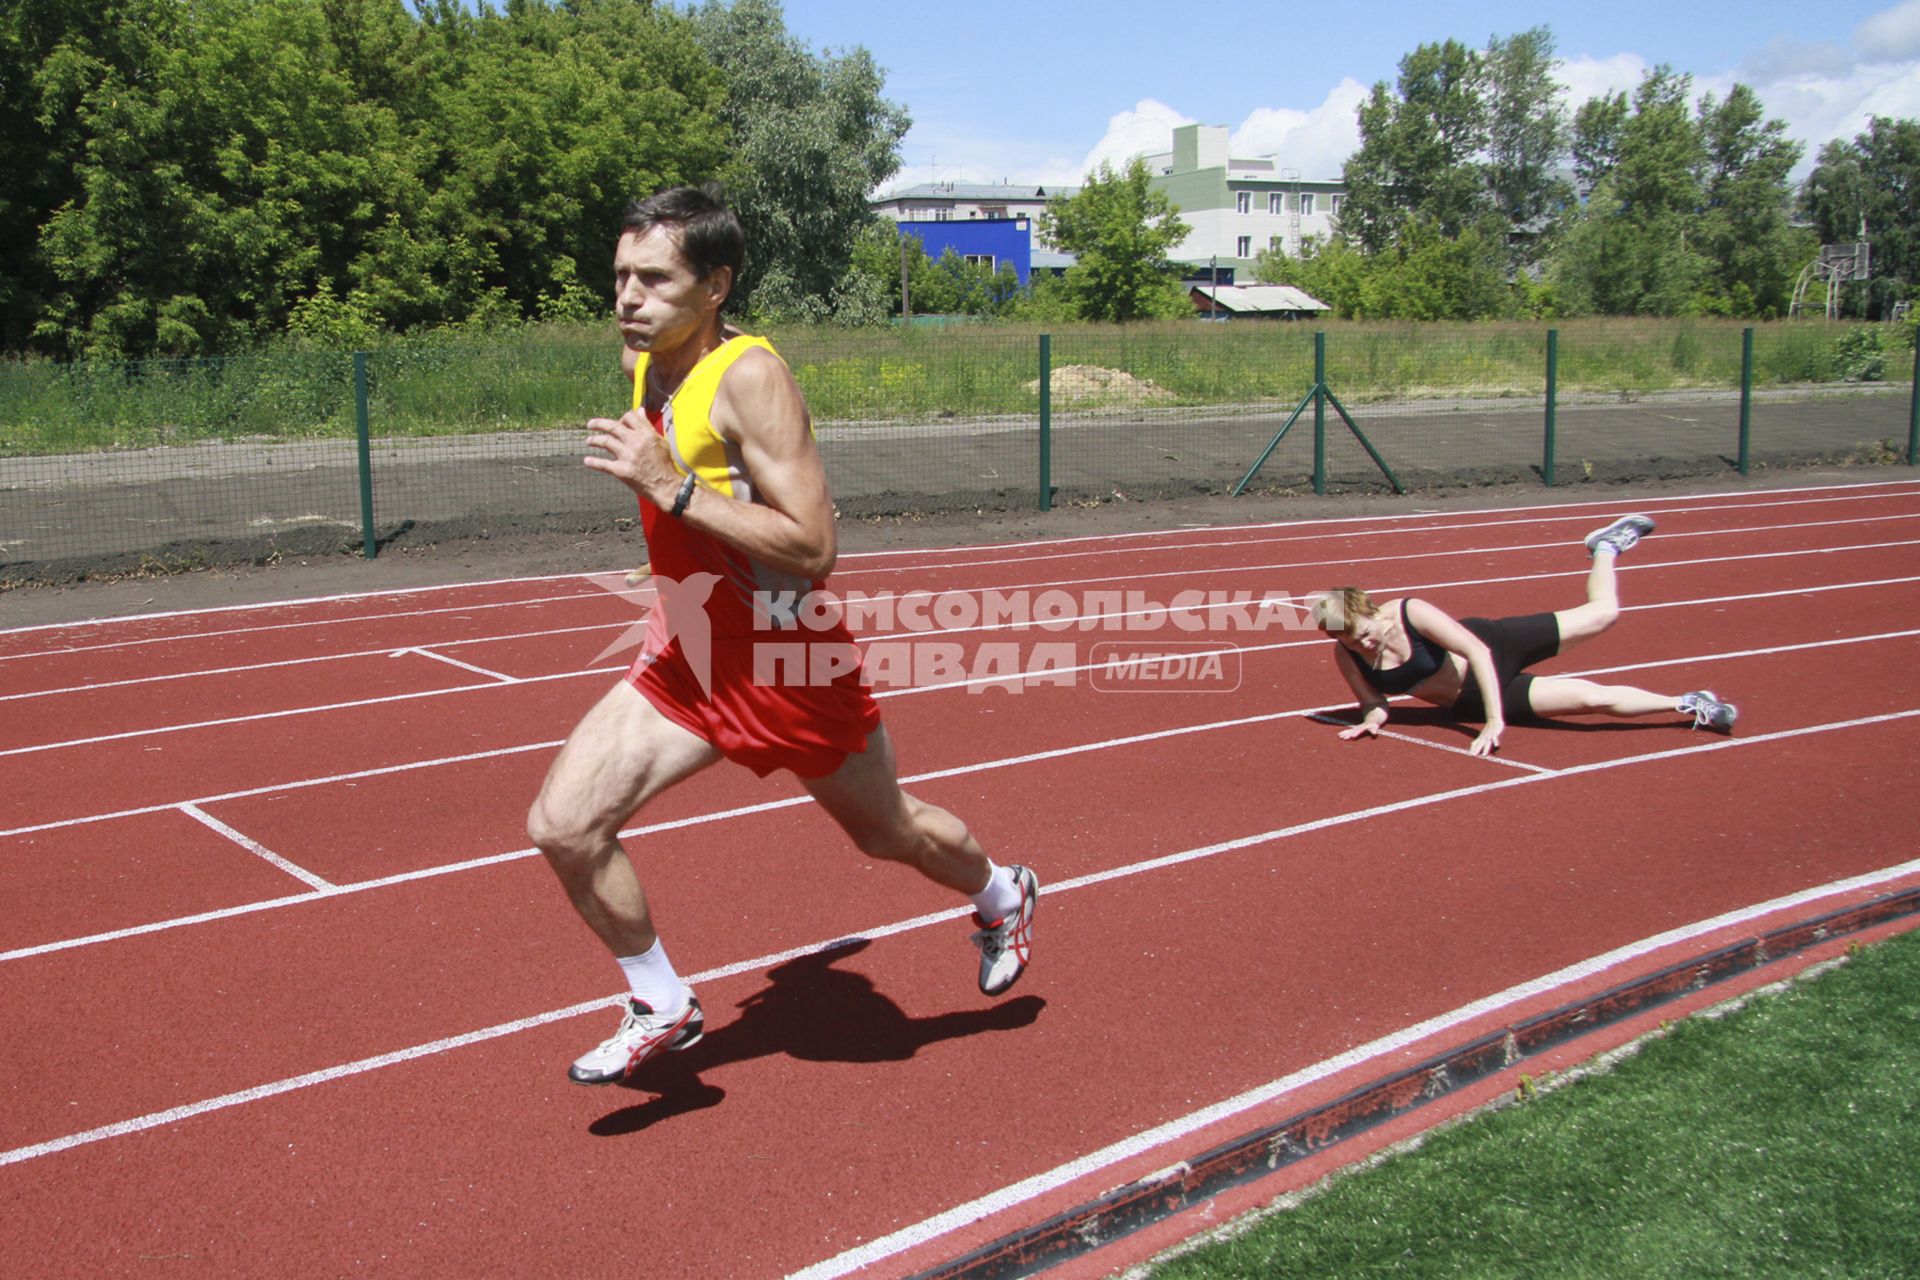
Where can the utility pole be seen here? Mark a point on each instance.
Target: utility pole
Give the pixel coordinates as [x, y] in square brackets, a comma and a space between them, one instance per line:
[906, 307]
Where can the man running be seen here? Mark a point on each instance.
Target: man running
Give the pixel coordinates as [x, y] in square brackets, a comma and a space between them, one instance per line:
[739, 527]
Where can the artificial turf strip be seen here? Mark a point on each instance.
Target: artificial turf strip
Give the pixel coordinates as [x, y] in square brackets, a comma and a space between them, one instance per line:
[1780, 1139]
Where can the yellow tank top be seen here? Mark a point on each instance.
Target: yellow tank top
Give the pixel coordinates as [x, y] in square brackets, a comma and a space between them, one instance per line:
[687, 424]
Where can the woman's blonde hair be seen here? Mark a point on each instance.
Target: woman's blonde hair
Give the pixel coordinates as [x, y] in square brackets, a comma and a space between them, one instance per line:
[1337, 610]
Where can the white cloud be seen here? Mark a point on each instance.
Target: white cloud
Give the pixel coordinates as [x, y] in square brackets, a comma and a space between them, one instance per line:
[1587, 77]
[1315, 142]
[1821, 90]
[1892, 35]
[1142, 131]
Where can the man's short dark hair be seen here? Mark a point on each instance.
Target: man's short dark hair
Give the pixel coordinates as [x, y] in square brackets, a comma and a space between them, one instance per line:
[708, 233]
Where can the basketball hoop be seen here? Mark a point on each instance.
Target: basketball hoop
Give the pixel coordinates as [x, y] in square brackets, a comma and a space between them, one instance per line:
[1837, 265]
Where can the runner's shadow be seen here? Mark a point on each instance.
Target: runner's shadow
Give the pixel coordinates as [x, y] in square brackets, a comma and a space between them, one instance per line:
[812, 1011]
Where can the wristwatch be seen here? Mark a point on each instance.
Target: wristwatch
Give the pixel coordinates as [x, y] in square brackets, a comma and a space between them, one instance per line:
[681, 499]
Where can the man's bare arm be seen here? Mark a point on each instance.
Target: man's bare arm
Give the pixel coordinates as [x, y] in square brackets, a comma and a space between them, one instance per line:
[759, 407]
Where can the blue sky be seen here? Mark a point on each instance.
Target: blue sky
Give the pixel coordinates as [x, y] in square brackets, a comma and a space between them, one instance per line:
[1040, 92]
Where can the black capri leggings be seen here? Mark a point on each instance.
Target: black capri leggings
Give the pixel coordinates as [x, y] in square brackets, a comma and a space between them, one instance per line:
[1517, 643]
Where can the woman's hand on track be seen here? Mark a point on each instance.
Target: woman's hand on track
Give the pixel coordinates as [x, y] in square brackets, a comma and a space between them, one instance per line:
[1365, 729]
[1488, 742]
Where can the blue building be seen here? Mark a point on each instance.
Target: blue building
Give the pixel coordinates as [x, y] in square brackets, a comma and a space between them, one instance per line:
[988, 241]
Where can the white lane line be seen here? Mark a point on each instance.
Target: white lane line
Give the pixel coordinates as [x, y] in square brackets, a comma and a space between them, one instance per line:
[651, 828]
[1274, 600]
[292, 711]
[1019, 1192]
[1128, 1149]
[455, 662]
[298, 784]
[1075, 624]
[1855, 492]
[384, 651]
[437, 762]
[254, 847]
[1434, 746]
[990, 681]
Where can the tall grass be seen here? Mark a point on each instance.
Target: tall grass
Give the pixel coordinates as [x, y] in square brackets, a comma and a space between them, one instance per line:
[554, 376]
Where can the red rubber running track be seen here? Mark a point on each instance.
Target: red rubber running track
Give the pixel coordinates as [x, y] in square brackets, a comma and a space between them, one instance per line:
[285, 992]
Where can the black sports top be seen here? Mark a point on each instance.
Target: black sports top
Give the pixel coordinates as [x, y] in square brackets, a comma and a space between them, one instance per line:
[1423, 661]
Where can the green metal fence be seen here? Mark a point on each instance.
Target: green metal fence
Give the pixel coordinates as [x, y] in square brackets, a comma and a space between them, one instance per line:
[104, 467]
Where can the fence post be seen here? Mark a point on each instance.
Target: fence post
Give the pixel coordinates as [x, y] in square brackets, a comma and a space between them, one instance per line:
[1320, 411]
[1913, 406]
[1553, 374]
[1746, 395]
[368, 547]
[1046, 422]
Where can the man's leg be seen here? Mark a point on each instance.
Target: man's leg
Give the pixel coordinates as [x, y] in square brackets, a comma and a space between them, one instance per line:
[864, 796]
[621, 754]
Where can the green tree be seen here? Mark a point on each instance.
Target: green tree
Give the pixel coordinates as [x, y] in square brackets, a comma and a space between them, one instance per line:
[1872, 180]
[1527, 137]
[1687, 208]
[535, 127]
[1743, 230]
[1627, 251]
[1121, 230]
[811, 137]
[202, 168]
[1334, 272]
[1420, 149]
[210, 182]
[1598, 124]
[52, 53]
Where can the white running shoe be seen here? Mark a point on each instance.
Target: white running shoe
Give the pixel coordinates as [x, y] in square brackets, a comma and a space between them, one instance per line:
[642, 1034]
[1709, 712]
[1006, 944]
[1621, 534]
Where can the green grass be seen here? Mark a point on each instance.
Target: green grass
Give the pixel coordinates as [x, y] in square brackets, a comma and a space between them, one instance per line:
[1781, 1139]
[550, 377]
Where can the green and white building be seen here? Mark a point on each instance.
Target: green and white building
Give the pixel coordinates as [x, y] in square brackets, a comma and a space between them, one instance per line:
[1238, 206]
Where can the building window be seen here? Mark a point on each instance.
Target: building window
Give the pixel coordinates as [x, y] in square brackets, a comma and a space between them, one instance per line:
[943, 215]
[1334, 202]
[1243, 247]
[1306, 202]
[1274, 201]
[1276, 244]
[1243, 202]
[980, 260]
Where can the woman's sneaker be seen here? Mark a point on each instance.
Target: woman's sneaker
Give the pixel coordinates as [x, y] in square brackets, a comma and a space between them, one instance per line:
[1709, 712]
[642, 1034]
[1621, 534]
[1006, 944]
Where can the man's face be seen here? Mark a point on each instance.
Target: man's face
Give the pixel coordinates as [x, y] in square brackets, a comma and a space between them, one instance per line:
[658, 301]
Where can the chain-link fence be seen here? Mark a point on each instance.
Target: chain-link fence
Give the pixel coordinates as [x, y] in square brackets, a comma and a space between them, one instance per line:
[106, 467]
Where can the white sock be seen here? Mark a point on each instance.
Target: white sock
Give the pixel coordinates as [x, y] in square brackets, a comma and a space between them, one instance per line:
[650, 976]
[1001, 897]
[1605, 549]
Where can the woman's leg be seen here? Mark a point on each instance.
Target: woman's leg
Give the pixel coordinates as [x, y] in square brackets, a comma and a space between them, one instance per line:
[1553, 696]
[1602, 608]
